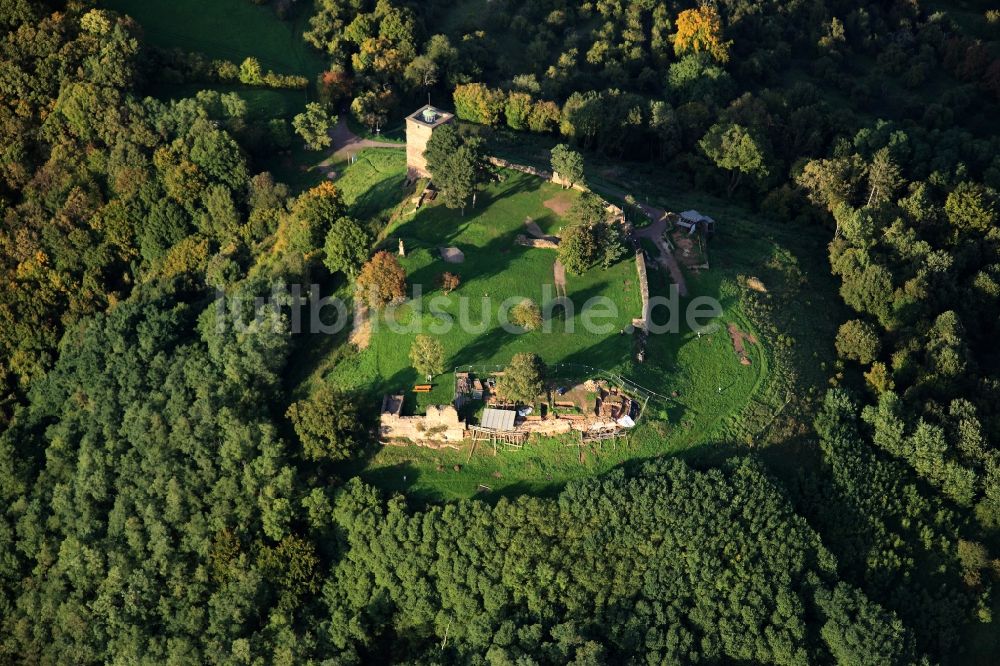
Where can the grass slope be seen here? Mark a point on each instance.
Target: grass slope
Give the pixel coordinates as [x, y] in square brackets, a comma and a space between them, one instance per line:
[374, 184]
[226, 29]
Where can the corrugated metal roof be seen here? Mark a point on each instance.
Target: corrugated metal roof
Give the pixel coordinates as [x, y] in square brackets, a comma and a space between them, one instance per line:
[498, 419]
[695, 216]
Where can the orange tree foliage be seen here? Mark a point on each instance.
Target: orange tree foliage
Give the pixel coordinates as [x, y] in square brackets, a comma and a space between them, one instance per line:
[382, 281]
[701, 30]
[450, 282]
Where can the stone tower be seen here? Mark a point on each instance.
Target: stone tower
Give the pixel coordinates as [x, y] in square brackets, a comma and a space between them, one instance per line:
[419, 127]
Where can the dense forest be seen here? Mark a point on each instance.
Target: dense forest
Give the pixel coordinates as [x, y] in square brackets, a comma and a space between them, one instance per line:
[164, 498]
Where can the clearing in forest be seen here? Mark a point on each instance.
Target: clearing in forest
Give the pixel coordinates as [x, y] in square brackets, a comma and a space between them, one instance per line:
[688, 367]
[228, 30]
[494, 270]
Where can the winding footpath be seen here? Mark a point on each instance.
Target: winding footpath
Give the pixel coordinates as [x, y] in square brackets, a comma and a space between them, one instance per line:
[654, 232]
[347, 144]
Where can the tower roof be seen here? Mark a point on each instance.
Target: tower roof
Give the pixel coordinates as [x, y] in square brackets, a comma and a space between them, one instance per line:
[430, 116]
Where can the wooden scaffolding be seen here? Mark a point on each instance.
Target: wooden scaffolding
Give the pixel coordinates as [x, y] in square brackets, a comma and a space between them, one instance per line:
[509, 439]
[597, 436]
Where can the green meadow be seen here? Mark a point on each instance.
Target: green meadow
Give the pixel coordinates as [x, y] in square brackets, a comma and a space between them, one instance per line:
[227, 30]
[372, 187]
[495, 271]
[707, 394]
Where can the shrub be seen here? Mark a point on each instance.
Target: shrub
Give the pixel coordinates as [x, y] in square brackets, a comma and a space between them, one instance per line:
[449, 282]
[527, 315]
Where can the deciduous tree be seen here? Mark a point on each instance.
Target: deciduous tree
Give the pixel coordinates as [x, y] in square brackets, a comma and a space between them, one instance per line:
[478, 103]
[422, 72]
[523, 379]
[568, 164]
[371, 108]
[858, 340]
[544, 117]
[591, 236]
[527, 315]
[427, 356]
[457, 166]
[314, 125]
[972, 207]
[579, 247]
[517, 110]
[328, 425]
[735, 149]
[346, 247]
[312, 216]
[251, 73]
[701, 30]
[884, 177]
[382, 281]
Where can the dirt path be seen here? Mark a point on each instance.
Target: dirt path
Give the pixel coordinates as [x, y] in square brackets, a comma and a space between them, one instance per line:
[654, 232]
[559, 276]
[738, 337]
[346, 143]
[361, 327]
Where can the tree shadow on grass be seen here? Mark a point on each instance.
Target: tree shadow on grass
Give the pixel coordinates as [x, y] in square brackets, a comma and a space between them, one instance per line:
[384, 194]
[662, 347]
[310, 349]
[437, 224]
[512, 491]
[614, 353]
[481, 263]
[514, 183]
[484, 347]
[701, 457]
[401, 477]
